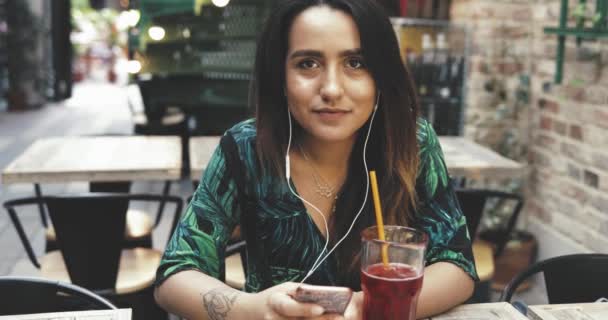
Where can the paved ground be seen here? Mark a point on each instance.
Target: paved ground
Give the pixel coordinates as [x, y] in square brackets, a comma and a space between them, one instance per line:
[96, 108]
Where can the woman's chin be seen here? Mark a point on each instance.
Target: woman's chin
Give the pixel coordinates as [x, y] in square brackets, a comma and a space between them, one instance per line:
[336, 135]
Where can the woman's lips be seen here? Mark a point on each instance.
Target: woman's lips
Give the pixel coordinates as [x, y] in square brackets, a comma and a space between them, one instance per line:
[331, 115]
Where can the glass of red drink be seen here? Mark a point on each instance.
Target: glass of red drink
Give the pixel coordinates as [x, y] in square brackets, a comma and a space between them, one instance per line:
[391, 291]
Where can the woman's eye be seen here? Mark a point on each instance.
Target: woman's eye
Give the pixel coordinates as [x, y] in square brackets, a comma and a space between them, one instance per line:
[307, 64]
[355, 63]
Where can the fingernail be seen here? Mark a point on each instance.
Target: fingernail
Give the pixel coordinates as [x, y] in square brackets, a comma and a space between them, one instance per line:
[317, 310]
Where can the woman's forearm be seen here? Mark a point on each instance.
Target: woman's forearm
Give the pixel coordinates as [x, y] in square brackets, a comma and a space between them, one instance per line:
[445, 285]
[195, 295]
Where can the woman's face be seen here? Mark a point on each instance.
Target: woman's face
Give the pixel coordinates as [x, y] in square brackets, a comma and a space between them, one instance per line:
[330, 92]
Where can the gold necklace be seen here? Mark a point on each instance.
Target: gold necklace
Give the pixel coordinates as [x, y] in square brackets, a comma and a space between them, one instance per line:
[322, 188]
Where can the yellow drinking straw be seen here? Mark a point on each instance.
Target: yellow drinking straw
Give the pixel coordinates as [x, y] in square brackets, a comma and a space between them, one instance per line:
[379, 222]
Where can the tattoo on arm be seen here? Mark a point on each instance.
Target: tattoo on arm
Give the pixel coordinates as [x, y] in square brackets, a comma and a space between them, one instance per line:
[219, 302]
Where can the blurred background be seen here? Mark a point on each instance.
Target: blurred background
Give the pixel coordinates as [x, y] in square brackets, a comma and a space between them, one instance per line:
[524, 79]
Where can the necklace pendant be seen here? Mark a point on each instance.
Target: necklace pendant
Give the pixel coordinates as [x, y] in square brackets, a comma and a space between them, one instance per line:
[322, 188]
[324, 192]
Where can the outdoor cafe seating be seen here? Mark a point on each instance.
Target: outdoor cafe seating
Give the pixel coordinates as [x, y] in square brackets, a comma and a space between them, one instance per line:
[139, 225]
[90, 230]
[515, 90]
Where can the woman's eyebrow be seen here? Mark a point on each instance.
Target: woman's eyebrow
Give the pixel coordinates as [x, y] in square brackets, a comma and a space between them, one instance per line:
[306, 53]
[351, 52]
[319, 54]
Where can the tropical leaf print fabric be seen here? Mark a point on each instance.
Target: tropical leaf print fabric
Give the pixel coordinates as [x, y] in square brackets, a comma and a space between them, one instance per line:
[291, 240]
[439, 213]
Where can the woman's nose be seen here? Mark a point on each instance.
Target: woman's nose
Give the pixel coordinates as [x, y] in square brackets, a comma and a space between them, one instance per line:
[332, 87]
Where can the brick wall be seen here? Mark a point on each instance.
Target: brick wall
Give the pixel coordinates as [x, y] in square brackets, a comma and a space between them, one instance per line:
[498, 81]
[561, 130]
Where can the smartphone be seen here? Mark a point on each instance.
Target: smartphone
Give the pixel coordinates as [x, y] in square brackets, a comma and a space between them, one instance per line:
[332, 299]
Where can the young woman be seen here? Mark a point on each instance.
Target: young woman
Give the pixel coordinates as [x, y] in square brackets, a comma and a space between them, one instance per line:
[333, 100]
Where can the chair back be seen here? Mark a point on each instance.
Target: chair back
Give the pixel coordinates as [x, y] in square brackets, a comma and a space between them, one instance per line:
[125, 187]
[473, 204]
[118, 187]
[90, 233]
[576, 278]
[23, 295]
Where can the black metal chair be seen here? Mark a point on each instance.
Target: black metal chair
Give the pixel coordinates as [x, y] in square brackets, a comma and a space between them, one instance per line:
[139, 227]
[575, 278]
[90, 234]
[473, 203]
[25, 295]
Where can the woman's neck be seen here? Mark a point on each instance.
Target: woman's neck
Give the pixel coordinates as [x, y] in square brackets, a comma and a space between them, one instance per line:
[328, 157]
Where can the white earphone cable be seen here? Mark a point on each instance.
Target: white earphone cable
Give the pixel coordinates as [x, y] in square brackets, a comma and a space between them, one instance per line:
[317, 265]
[288, 176]
[321, 258]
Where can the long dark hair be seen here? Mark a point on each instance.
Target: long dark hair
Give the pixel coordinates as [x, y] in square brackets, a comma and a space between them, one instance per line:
[392, 150]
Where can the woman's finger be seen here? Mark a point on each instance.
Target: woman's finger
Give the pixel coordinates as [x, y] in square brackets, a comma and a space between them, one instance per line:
[285, 305]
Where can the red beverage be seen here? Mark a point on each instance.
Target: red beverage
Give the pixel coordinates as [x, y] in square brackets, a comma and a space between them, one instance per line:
[390, 293]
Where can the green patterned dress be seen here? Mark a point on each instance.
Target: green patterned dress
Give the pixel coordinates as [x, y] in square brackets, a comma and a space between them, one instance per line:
[289, 238]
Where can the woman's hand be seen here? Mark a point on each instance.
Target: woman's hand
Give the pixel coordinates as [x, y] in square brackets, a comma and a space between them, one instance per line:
[277, 303]
[354, 311]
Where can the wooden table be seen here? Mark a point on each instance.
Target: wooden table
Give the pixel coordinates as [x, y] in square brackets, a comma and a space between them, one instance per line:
[119, 314]
[466, 158]
[463, 157]
[575, 311]
[201, 150]
[97, 159]
[68, 159]
[482, 311]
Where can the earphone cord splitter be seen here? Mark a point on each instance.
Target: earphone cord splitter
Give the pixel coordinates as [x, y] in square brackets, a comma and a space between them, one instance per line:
[320, 259]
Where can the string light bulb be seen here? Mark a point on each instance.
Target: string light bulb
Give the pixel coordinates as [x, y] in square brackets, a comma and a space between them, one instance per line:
[156, 33]
[220, 3]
